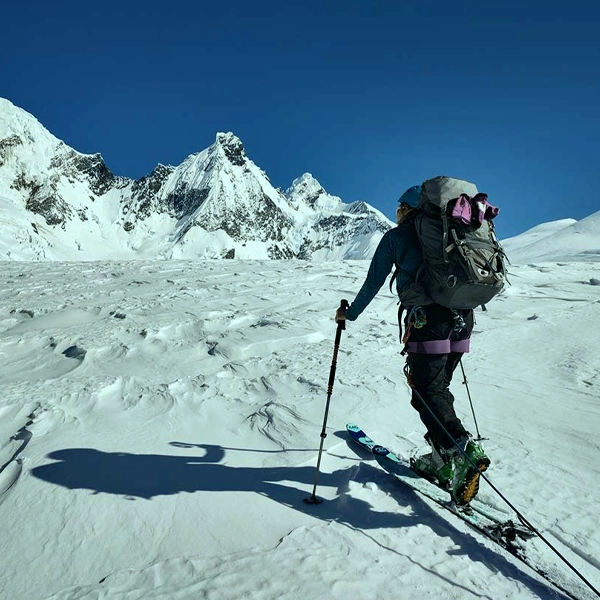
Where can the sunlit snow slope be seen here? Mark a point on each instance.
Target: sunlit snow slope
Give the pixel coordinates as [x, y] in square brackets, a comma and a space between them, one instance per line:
[159, 427]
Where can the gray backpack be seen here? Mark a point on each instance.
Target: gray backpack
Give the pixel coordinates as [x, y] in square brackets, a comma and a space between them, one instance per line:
[463, 262]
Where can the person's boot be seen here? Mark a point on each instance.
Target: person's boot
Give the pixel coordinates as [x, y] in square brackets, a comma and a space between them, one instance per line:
[465, 482]
[433, 467]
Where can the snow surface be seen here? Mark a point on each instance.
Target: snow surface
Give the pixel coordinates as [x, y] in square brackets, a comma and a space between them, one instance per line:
[565, 239]
[160, 421]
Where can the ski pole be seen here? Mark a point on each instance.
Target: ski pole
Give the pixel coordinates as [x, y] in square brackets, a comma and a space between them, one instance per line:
[338, 336]
[466, 384]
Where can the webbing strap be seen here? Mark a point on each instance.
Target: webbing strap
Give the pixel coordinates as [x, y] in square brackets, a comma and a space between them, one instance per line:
[438, 346]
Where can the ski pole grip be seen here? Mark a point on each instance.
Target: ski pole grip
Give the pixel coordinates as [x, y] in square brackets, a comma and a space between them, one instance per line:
[344, 304]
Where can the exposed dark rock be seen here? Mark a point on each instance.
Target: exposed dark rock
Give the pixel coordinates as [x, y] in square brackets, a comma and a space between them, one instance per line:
[276, 252]
[144, 193]
[233, 148]
[185, 200]
[23, 311]
[43, 200]
[21, 183]
[75, 352]
[7, 143]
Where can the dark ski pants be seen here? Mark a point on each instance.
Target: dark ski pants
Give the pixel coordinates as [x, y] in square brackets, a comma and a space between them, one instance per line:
[431, 375]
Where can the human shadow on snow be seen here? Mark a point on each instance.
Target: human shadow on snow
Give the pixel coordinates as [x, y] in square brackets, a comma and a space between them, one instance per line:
[146, 476]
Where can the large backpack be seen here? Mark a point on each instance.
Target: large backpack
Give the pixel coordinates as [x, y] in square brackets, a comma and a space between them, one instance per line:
[463, 262]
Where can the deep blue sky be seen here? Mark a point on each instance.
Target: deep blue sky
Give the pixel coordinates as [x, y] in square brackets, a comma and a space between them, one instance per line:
[369, 97]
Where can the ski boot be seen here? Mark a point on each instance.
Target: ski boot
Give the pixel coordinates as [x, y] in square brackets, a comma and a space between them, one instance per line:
[432, 467]
[465, 482]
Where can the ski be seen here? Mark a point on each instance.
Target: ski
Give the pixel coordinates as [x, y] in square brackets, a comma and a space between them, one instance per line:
[500, 530]
[483, 519]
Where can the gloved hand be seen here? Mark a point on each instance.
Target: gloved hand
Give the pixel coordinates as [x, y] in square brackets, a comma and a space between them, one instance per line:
[340, 313]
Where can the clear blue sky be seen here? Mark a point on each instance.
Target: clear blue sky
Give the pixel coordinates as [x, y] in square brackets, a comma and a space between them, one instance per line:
[369, 97]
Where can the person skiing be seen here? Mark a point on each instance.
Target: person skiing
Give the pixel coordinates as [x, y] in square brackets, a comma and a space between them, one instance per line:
[435, 339]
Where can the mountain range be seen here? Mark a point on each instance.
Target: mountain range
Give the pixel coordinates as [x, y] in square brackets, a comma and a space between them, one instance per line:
[59, 204]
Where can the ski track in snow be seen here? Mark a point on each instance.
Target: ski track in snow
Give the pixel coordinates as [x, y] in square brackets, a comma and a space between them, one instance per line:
[159, 429]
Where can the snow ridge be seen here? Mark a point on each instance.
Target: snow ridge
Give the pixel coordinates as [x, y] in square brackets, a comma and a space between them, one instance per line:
[563, 240]
[59, 204]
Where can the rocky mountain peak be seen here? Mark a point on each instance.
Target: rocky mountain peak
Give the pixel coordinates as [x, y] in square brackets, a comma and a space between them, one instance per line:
[232, 147]
[61, 204]
[306, 190]
[305, 186]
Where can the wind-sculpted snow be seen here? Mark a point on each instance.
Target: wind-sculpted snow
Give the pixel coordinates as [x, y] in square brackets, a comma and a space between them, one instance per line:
[160, 421]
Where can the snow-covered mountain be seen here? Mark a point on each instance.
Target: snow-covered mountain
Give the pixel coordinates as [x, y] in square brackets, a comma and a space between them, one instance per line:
[59, 204]
[566, 239]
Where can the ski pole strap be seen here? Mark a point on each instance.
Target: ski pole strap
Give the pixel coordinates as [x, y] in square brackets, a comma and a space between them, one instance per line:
[438, 346]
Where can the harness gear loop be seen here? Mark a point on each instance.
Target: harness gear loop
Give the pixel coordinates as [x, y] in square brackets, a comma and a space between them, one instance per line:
[417, 319]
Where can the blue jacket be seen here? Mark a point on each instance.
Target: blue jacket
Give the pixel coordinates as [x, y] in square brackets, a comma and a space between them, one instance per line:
[399, 247]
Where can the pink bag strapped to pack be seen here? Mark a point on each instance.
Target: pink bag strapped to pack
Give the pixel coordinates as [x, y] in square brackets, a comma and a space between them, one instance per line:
[473, 211]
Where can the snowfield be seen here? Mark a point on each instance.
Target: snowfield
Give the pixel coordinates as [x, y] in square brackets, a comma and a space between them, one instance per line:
[160, 421]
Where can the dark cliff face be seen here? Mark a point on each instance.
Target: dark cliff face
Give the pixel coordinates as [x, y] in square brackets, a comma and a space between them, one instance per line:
[232, 148]
[88, 168]
[185, 200]
[51, 207]
[142, 201]
[41, 191]
[265, 223]
[43, 199]
[6, 144]
[146, 188]
[94, 169]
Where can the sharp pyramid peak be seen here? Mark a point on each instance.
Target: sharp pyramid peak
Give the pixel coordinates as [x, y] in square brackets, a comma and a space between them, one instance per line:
[232, 147]
[306, 184]
[228, 137]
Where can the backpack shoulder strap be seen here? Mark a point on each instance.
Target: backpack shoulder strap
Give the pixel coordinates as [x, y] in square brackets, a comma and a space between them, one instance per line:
[409, 221]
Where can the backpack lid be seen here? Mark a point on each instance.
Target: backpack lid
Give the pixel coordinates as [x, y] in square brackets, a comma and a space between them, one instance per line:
[440, 190]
